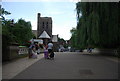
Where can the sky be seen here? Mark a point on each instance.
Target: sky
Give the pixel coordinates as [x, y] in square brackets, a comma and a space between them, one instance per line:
[63, 14]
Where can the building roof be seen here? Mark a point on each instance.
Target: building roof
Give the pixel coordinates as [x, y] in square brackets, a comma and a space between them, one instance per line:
[44, 35]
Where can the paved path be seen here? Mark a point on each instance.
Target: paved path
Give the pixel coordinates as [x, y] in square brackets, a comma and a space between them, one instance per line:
[11, 69]
[72, 66]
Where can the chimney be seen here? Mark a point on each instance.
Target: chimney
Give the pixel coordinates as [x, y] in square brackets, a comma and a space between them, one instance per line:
[38, 23]
[39, 14]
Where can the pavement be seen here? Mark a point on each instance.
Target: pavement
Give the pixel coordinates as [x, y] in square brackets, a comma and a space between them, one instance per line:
[66, 65]
[11, 69]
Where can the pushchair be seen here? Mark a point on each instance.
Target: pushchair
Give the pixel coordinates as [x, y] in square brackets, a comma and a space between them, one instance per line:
[52, 55]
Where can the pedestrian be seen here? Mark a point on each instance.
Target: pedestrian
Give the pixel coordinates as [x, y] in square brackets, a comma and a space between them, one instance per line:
[45, 53]
[30, 50]
[34, 52]
[59, 50]
[50, 48]
[62, 49]
[89, 49]
[36, 47]
[69, 48]
[38, 51]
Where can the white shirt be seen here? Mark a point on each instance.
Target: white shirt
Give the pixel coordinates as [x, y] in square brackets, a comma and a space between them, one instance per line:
[50, 45]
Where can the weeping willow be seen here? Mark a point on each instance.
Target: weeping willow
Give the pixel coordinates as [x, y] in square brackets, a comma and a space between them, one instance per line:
[97, 25]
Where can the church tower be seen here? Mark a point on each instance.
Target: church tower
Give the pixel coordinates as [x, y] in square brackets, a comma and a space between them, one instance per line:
[44, 24]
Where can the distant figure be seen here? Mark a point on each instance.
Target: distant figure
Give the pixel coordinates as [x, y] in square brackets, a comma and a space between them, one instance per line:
[50, 48]
[59, 50]
[89, 49]
[30, 50]
[62, 49]
[37, 48]
[45, 52]
[69, 48]
[38, 51]
[34, 52]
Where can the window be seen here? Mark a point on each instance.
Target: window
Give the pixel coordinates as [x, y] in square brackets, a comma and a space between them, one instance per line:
[43, 24]
[47, 25]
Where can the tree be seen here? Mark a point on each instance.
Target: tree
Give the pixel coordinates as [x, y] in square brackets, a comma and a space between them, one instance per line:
[19, 32]
[74, 37]
[61, 40]
[3, 12]
[22, 31]
[98, 25]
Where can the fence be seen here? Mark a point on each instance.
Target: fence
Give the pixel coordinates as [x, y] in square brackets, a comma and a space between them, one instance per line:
[23, 50]
[12, 52]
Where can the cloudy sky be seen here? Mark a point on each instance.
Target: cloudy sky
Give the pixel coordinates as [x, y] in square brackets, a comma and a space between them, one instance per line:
[62, 12]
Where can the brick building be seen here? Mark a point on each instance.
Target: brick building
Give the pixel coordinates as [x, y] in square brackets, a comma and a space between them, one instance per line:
[44, 31]
[44, 24]
[44, 28]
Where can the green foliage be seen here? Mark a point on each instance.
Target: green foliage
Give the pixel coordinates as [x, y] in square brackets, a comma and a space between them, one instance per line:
[22, 31]
[97, 26]
[74, 37]
[6, 32]
[19, 32]
[62, 42]
[3, 12]
[61, 39]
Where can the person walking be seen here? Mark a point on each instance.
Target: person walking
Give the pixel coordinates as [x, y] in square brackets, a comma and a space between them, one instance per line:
[50, 48]
[89, 49]
[38, 51]
[34, 52]
[45, 52]
[30, 50]
[36, 47]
